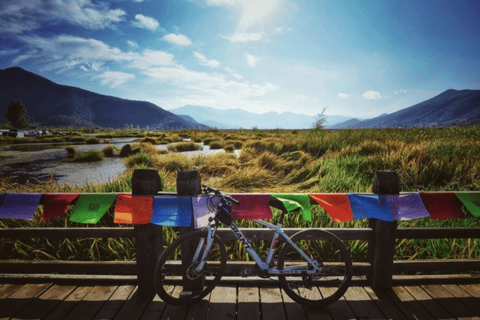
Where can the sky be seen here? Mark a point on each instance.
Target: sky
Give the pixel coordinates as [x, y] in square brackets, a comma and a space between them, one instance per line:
[356, 58]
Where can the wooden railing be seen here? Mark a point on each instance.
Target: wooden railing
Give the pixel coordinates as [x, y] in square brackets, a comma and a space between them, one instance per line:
[381, 237]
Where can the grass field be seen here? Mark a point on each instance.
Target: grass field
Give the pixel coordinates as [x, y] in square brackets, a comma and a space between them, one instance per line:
[302, 161]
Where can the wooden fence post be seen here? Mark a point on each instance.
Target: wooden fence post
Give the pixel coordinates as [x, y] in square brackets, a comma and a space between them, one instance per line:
[189, 185]
[381, 249]
[148, 237]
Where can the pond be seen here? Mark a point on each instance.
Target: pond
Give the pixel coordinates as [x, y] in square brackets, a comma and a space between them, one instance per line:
[39, 162]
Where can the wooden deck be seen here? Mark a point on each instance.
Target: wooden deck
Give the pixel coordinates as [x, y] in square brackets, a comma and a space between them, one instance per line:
[235, 301]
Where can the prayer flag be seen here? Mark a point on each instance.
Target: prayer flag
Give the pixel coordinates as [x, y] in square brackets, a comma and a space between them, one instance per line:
[203, 209]
[133, 209]
[407, 207]
[172, 211]
[55, 205]
[295, 201]
[336, 205]
[19, 206]
[2, 199]
[442, 205]
[90, 208]
[471, 201]
[370, 206]
[252, 206]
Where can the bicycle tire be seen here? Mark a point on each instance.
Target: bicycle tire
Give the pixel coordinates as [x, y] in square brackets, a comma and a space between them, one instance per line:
[318, 245]
[170, 272]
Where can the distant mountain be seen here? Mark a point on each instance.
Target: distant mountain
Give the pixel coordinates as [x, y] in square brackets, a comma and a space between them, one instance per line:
[346, 124]
[448, 108]
[53, 104]
[238, 118]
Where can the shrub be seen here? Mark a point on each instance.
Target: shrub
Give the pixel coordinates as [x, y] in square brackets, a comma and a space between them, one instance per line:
[106, 141]
[110, 151]
[71, 150]
[216, 145]
[126, 151]
[140, 158]
[184, 146]
[76, 139]
[92, 140]
[89, 156]
[209, 140]
[230, 148]
[149, 140]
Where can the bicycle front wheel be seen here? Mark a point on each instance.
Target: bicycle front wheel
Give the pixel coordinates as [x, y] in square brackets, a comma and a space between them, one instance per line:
[329, 283]
[176, 278]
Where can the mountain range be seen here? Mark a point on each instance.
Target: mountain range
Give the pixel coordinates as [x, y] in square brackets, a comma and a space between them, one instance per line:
[238, 118]
[52, 104]
[451, 107]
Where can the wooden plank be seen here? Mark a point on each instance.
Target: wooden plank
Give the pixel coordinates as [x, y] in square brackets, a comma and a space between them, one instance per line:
[89, 306]
[361, 304]
[117, 232]
[472, 289]
[433, 307]
[387, 306]
[223, 303]
[175, 312]
[69, 303]
[267, 234]
[46, 302]
[116, 301]
[155, 308]
[295, 310]
[463, 297]
[410, 307]
[199, 310]
[436, 265]
[340, 309]
[449, 302]
[133, 308]
[8, 289]
[20, 299]
[437, 233]
[272, 304]
[248, 303]
[89, 267]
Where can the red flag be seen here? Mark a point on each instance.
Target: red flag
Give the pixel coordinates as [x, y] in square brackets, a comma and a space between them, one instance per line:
[442, 205]
[336, 205]
[55, 205]
[133, 209]
[252, 206]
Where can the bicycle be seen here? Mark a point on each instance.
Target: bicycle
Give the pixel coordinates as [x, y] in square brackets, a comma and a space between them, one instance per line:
[192, 265]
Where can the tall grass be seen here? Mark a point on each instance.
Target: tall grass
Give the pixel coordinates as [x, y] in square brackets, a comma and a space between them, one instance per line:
[306, 161]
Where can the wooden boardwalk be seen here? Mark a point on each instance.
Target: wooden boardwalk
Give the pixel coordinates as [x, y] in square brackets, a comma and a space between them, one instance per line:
[235, 301]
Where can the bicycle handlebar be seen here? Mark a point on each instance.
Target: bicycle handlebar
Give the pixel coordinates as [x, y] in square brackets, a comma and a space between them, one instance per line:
[221, 194]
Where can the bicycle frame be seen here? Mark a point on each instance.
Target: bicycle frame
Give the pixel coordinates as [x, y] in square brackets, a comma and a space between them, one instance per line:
[264, 265]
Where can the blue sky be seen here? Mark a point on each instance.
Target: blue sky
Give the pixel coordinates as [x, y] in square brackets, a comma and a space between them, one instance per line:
[359, 58]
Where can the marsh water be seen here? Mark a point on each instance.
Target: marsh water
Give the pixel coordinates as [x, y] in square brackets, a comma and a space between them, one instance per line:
[39, 162]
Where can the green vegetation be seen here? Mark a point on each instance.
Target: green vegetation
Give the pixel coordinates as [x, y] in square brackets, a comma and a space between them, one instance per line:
[89, 156]
[302, 161]
[92, 140]
[184, 146]
[71, 150]
[17, 114]
[110, 150]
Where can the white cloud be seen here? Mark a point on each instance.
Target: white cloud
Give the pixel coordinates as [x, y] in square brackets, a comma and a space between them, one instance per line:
[20, 16]
[233, 73]
[145, 22]
[343, 95]
[372, 95]
[138, 1]
[178, 39]
[8, 52]
[251, 60]
[152, 58]
[221, 2]
[132, 44]
[115, 78]
[246, 37]
[204, 61]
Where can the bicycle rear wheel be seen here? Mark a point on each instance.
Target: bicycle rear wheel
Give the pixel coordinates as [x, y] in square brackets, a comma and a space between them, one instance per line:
[175, 280]
[333, 276]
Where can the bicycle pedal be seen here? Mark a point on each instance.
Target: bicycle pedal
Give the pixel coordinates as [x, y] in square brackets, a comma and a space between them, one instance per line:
[246, 273]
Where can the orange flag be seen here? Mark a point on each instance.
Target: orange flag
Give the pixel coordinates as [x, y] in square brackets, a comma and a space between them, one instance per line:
[336, 205]
[133, 209]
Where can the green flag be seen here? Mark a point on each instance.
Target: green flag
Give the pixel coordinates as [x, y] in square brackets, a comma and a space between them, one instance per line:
[471, 201]
[295, 201]
[90, 208]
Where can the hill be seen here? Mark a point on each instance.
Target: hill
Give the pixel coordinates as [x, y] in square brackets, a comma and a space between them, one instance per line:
[451, 107]
[52, 104]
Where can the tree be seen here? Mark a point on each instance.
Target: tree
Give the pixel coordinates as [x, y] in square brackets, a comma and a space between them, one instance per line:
[320, 119]
[17, 114]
